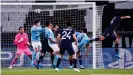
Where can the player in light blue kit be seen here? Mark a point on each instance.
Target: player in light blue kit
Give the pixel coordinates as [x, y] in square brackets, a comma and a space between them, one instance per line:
[83, 39]
[35, 39]
[51, 45]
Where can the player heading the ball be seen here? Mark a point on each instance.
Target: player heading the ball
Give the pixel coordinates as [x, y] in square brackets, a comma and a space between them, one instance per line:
[36, 30]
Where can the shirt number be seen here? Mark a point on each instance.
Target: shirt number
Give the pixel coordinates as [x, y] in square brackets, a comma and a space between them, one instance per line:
[66, 35]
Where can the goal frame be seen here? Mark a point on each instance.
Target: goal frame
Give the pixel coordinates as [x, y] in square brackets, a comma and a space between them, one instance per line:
[72, 3]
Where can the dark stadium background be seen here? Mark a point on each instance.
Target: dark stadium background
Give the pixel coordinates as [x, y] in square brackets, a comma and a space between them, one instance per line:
[125, 28]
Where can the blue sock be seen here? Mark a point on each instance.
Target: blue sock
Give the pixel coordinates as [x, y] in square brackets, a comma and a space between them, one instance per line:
[55, 60]
[33, 57]
[80, 60]
[116, 49]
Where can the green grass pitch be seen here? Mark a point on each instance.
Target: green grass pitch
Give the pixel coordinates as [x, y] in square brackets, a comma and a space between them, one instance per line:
[48, 71]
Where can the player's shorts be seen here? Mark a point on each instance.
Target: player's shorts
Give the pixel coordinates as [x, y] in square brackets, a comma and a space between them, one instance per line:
[110, 35]
[37, 45]
[75, 47]
[26, 51]
[54, 47]
[69, 49]
[46, 47]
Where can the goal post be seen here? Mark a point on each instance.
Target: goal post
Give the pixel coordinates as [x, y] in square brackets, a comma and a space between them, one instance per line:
[81, 14]
[94, 35]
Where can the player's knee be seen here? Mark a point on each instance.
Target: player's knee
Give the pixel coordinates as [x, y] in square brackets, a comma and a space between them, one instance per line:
[117, 41]
[42, 54]
[78, 53]
[74, 56]
[79, 56]
[59, 56]
[57, 52]
[16, 57]
[102, 38]
[70, 58]
[35, 50]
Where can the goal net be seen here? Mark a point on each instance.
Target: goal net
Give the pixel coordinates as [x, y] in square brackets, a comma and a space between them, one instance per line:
[14, 15]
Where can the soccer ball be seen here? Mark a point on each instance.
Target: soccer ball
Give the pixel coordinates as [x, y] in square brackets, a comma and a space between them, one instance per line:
[37, 10]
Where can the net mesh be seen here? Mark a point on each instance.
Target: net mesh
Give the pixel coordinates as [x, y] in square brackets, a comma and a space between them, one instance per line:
[99, 55]
[14, 16]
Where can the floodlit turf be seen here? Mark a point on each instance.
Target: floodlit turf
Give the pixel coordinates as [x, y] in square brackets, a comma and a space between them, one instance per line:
[45, 71]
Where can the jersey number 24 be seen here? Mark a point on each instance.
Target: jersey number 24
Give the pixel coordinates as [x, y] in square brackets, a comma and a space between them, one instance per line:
[66, 35]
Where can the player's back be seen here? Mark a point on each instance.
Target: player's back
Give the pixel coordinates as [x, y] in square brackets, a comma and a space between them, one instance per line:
[49, 34]
[35, 33]
[44, 39]
[67, 36]
[82, 39]
[85, 38]
[79, 36]
[114, 24]
[115, 21]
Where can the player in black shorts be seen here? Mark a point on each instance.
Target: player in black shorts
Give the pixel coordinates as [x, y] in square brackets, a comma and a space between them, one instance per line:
[67, 35]
[110, 32]
[45, 48]
[55, 29]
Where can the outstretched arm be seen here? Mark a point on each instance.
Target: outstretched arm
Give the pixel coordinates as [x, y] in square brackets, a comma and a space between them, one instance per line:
[125, 17]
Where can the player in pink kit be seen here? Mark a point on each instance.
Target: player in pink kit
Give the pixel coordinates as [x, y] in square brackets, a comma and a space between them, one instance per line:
[22, 42]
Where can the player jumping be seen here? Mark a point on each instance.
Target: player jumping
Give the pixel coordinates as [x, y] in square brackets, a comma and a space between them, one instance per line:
[67, 36]
[50, 43]
[83, 40]
[110, 32]
[35, 39]
[22, 42]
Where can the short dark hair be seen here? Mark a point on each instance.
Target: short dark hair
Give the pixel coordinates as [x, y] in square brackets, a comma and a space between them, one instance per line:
[20, 27]
[84, 30]
[36, 21]
[68, 24]
[47, 23]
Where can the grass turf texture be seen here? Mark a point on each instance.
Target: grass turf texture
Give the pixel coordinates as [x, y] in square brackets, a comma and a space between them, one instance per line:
[45, 71]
